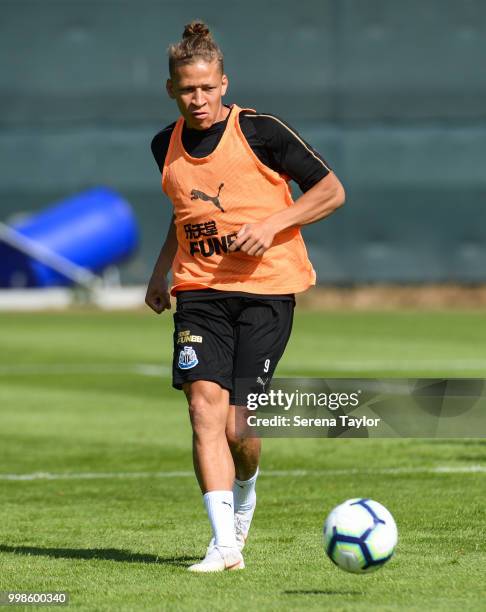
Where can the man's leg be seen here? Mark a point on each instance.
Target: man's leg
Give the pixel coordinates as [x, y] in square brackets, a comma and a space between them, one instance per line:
[213, 464]
[245, 451]
[246, 456]
[208, 410]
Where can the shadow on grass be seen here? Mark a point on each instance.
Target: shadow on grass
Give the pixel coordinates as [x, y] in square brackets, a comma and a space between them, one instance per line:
[105, 554]
[320, 592]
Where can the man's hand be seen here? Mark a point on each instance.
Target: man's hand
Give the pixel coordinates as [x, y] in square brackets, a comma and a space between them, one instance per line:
[254, 239]
[157, 296]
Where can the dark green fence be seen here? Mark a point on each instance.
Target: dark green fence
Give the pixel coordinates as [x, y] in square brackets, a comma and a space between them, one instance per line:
[391, 93]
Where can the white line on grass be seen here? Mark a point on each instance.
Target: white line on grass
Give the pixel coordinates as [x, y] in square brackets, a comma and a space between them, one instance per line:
[56, 369]
[445, 469]
[391, 365]
[146, 369]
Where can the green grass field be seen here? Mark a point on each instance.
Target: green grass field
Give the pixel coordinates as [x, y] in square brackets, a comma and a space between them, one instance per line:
[116, 517]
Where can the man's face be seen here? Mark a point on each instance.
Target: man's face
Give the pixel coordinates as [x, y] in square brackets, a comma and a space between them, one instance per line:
[198, 88]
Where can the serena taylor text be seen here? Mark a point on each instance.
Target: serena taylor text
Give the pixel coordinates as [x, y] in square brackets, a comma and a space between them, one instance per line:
[298, 421]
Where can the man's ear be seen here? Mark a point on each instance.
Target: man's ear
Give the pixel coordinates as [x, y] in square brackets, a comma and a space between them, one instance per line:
[224, 84]
[170, 88]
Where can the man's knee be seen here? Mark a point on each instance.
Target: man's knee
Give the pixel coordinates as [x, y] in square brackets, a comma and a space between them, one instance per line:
[208, 406]
[202, 413]
[237, 428]
[242, 444]
[236, 441]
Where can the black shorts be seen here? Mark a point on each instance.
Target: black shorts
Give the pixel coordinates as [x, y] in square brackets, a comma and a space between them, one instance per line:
[234, 341]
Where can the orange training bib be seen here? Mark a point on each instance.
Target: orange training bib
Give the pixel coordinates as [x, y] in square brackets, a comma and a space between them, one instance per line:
[213, 197]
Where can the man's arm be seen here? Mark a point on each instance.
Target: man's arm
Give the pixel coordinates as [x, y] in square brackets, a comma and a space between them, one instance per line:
[157, 296]
[319, 202]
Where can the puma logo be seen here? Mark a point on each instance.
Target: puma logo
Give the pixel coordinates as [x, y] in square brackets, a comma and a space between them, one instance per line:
[196, 194]
[261, 381]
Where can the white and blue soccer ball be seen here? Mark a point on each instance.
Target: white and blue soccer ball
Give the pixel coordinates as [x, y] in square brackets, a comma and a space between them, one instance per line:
[360, 535]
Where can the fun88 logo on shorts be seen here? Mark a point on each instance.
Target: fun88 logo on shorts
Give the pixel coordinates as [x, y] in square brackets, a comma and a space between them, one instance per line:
[187, 358]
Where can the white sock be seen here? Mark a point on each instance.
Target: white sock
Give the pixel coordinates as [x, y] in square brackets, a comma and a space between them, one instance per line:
[244, 493]
[220, 509]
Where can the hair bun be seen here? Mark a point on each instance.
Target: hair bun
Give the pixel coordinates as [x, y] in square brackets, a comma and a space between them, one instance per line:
[195, 28]
[197, 44]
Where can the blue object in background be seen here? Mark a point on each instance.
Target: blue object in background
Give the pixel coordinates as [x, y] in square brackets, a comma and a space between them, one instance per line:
[94, 229]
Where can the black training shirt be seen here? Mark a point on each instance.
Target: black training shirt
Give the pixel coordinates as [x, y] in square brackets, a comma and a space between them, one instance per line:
[275, 143]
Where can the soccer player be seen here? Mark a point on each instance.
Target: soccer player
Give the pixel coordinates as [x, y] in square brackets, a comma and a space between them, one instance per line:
[237, 258]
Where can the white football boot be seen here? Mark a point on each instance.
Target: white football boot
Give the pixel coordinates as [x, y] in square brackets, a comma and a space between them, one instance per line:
[218, 559]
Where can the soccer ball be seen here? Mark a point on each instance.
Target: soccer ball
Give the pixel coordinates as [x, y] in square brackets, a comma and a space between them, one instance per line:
[360, 535]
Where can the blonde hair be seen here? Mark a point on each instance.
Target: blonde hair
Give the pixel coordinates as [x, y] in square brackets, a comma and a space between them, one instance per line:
[197, 43]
